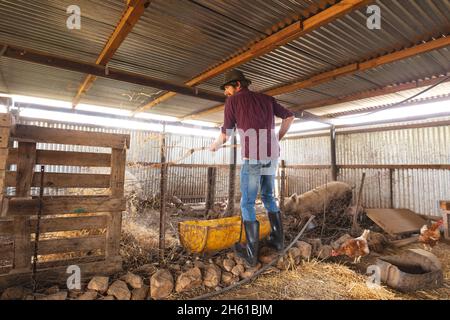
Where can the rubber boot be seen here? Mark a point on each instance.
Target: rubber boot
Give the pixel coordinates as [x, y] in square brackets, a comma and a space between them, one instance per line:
[249, 251]
[276, 236]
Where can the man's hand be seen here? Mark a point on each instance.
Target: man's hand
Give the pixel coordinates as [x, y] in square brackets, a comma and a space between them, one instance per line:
[221, 139]
[213, 147]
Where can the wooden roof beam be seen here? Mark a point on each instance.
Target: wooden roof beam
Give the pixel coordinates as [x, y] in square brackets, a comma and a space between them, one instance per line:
[270, 43]
[370, 93]
[343, 71]
[134, 10]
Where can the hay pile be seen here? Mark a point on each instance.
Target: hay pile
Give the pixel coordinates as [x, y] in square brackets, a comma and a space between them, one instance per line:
[312, 280]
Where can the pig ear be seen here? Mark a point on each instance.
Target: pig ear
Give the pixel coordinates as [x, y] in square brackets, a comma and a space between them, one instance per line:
[294, 196]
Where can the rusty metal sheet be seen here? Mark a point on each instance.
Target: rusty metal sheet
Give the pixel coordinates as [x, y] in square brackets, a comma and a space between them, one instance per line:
[396, 221]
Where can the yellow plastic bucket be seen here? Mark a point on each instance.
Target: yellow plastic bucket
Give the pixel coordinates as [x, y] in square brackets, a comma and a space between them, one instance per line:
[200, 236]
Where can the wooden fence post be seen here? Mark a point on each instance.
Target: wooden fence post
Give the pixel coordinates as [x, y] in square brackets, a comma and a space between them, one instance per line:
[22, 230]
[210, 189]
[334, 167]
[117, 185]
[163, 191]
[7, 123]
[282, 184]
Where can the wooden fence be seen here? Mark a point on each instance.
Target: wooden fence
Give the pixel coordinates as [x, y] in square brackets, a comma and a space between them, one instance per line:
[74, 230]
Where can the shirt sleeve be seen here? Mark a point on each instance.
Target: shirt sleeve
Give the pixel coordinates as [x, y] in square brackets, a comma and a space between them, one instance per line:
[280, 111]
[229, 118]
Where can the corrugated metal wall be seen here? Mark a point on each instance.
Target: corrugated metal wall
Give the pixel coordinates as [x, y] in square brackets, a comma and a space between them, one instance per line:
[416, 189]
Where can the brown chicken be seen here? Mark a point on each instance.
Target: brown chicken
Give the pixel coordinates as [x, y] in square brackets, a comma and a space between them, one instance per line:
[354, 248]
[429, 236]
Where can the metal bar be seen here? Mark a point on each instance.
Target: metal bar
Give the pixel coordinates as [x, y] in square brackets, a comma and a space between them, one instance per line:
[163, 190]
[391, 188]
[44, 58]
[282, 184]
[37, 233]
[334, 168]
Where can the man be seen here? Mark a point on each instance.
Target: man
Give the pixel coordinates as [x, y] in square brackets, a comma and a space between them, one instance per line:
[253, 114]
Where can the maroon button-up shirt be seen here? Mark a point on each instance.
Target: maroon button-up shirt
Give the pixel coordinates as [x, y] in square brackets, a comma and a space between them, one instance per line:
[253, 114]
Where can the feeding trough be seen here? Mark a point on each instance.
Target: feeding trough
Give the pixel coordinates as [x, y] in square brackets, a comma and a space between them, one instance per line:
[414, 270]
[201, 236]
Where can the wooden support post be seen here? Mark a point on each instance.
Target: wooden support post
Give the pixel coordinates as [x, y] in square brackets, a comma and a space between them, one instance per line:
[117, 185]
[282, 184]
[118, 162]
[391, 188]
[334, 168]
[113, 235]
[355, 226]
[210, 189]
[163, 190]
[22, 230]
[232, 177]
[446, 217]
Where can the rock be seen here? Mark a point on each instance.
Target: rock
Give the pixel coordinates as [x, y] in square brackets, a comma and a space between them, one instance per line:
[325, 252]
[52, 290]
[99, 284]
[74, 294]
[88, 295]
[218, 261]
[107, 298]
[227, 278]
[295, 254]
[140, 293]
[212, 276]
[199, 264]
[267, 255]
[316, 244]
[14, 293]
[238, 270]
[251, 271]
[119, 290]
[161, 284]
[189, 280]
[133, 280]
[337, 243]
[305, 249]
[239, 260]
[283, 263]
[61, 295]
[231, 255]
[228, 264]
[376, 241]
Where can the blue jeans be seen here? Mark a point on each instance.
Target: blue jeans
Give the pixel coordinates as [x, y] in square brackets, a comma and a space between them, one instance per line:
[256, 174]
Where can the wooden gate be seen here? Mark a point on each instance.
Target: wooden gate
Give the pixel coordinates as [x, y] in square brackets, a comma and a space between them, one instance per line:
[79, 229]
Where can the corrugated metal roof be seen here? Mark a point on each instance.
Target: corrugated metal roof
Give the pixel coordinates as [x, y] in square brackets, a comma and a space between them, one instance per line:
[370, 103]
[37, 80]
[41, 25]
[178, 39]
